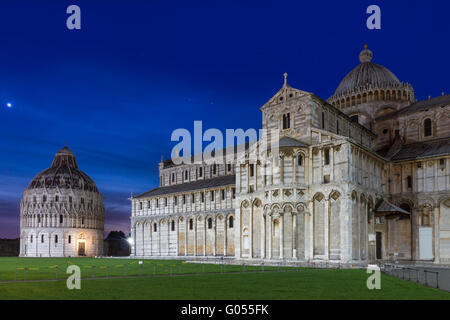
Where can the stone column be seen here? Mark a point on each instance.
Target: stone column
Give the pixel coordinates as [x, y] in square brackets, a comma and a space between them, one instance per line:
[436, 234]
[195, 235]
[204, 236]
[168, 236]
[151, 237]
[263, 236]
[225, 235]
[215, 235]
[281, 165]
[346, 229]
[250, 233]
[294, 235]
[281, 236]
[143, 239]
[332, 164]
[327, 228]
[294, 168]
[270, 235]
[310, 227]
[177, 232]
[186, 237]
[159, 238]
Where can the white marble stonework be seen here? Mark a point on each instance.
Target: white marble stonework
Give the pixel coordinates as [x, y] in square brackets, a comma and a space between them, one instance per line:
[61, 212]
[363, 176]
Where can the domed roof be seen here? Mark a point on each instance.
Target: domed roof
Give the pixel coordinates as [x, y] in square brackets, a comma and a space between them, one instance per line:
[64, 174]
[367, 74]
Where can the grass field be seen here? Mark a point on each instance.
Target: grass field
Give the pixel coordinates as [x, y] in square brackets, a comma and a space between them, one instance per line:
[280, 285]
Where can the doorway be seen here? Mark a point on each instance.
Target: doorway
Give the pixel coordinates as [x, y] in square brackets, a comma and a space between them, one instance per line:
[378, 245]
[81, 248]
[425, 243]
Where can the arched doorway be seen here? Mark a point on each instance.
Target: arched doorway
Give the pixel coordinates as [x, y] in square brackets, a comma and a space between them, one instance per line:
[81, 244]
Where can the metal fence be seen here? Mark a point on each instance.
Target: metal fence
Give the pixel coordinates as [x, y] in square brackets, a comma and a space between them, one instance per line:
[423, 276]
[149, 268]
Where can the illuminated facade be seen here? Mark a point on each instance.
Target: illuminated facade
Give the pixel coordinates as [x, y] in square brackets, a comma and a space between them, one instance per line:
[61, 212]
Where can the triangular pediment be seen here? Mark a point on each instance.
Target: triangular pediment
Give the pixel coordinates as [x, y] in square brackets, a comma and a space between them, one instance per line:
[285, 94]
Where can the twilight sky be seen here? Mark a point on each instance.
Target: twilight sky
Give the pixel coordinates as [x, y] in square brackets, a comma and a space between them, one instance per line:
[137, 70]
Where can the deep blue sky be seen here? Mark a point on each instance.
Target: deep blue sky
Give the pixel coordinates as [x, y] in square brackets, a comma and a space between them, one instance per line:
[115, 90]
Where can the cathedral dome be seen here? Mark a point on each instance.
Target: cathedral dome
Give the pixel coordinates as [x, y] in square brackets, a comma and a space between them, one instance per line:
[370, 82]
[367, 74]
[63, 173]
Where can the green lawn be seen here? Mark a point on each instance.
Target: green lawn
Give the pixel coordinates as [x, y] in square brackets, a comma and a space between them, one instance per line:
[293, 284]
[50, 268]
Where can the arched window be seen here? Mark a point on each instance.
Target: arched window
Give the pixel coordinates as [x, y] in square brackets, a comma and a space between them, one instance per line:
[327, 156]
[245, 240]
[286, 121]
[44, 198]
[427, 128]
[56, 238]
[186, 175]
[426, 216]
[300, 160]
[409, 182]
[155, 227]
[61, 218]
[209, 223]
[231, 222]
[323, 120]
[31, 239]
[191, 224]
[42, 238]
[200, 172]
[405, 207]
[56, 198]
[173, 177]
[172, 226]
[69, 240]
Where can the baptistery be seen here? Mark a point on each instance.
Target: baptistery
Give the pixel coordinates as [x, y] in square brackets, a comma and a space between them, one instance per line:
[61, 212]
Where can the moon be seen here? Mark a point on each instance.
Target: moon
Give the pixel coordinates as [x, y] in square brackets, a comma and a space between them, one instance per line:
[9, 104]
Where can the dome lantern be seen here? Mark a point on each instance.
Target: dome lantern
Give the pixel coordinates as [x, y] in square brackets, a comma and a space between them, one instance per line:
[366, 55]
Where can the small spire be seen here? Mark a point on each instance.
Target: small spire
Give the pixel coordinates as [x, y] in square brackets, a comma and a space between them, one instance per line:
[365, 46]
[162, 158]
[285, 78]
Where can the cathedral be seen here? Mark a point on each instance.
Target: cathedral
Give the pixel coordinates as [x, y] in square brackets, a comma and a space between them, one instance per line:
[361, 177]
[61, 212]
